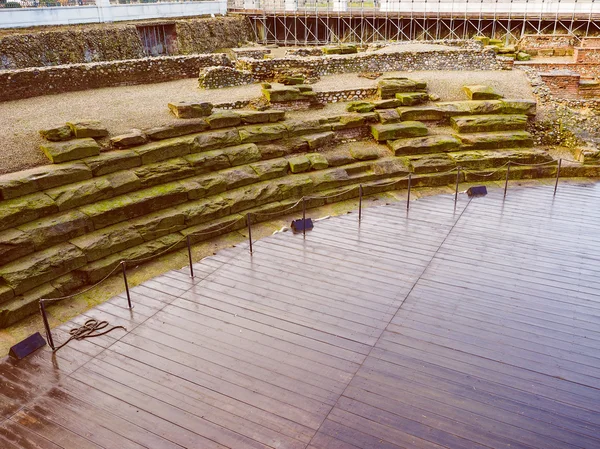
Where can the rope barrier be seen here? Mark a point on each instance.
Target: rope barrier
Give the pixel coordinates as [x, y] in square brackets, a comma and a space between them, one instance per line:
[266, 214]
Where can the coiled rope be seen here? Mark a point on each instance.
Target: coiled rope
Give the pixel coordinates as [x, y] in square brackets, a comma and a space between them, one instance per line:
[87, 331]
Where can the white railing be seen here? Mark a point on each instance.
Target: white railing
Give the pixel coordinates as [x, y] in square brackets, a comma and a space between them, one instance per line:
[36, 13]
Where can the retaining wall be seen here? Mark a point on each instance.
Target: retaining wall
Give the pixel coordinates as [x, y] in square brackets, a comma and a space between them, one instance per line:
[451, 59]
[32, 82]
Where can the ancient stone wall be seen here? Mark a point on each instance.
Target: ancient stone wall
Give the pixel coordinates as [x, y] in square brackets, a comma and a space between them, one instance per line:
[547, 44]
[111, 42]
[453, 59]
[346, 95]
[587, 54]
[25, 83]
[583, 68]
[51, 48]
[221, 76]
[209, 34]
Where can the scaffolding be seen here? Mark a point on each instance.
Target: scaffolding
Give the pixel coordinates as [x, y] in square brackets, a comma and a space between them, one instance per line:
[313, 22]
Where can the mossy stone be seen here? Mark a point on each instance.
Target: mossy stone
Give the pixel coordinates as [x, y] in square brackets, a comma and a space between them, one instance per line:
[87, 128]
[57, 134]
[49, 231]
[480, 92]
[495, 140]
[112, 161]
[433, 163]
[388, 116]
[30, 271]
[223, 119]
[392, 131]
[526, 107]
[24, 209]
[262, 133]
[178, 129]
[215, 139]
[421, 145]
[106, 241]
[70, 150]
[165, 149]
[412, 98]
[363, 153]
[360, 106]
[242, 154]
[208, 161]
[131, 139]
[299, 164]
[316, 141]
[275, 168]
[483, 123]
[483, 39]
[299, 127]
[188, 109]
[317, 161]
[389, 87]
[164, 171]
[15, 243]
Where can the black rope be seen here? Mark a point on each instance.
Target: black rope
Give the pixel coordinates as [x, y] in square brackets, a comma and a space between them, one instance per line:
[87, 331]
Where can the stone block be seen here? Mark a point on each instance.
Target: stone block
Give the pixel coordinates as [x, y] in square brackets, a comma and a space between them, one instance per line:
[431, 163]
[480, 160]
[164, 171]
[223, 119]
[317, 161]
[300, 127]
[320, 140]
[298, 164]
[26, 304]
[390, 167]
[70, 150]
[68, 283]
[495, 140]
[522, 56]
[270, 169]
[135, 204]
[242, 154]
[349, 121]
[412, 98]
[15, 243]
[420, 145]
[266, 192]
[87, 128]
[392, 131]
[388, 88]
[178, 129]
[480, 92]
[166, 149]
[360, 106]
[238, 177]
[361, 153]
[24, 209]
[254, 117]
[109, 240]
[483, 39]
[57, 228]
[208, 161]
[421, 113]
[14, 185]
[203, 186]
[284, 94]
[210, 230]
[190, 109]
[388, 116]
[6, 293]
[262, 133]
[158, 224]
[330, 179]
[57, 134]
[290, 80]
[337, 159]
[483, 123]
[526, 107]
[388, 103]
[112, 161]
[95, 189]
[283, 148]
[30, 271]
[131, 139]
[204, 210]
[345, 49]
[216, 139]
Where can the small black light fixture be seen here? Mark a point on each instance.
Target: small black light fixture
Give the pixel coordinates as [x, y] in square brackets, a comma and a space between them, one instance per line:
[477, 191]
[302, 225]
[27, 346]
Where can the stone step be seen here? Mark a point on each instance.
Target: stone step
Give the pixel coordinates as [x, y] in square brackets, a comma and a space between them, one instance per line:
[495, 140]
[486, 123]
[391, 131]
[412, 98]
[421, 145]
[449, 109]
[481, 160]
[388, 88]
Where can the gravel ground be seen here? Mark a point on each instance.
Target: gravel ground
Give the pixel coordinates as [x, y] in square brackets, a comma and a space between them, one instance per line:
[123, 108]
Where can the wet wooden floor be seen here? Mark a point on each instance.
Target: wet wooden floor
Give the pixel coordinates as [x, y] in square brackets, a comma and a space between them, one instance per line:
[468, 327]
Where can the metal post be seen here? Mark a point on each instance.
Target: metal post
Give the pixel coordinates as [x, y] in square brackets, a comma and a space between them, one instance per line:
[506, 181]
[123, 267]
[408, 192]
[249, 231]
[557, 175]
[360, 194]
[457, 179]
[303, 217]
[46, 324]
[189, 246]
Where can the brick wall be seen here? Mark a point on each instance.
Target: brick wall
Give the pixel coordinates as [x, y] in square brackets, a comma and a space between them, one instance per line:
[562, 83]
[585, 69]
[587, 54]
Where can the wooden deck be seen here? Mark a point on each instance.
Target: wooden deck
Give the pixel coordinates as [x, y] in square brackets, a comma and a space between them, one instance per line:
[468, 327]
